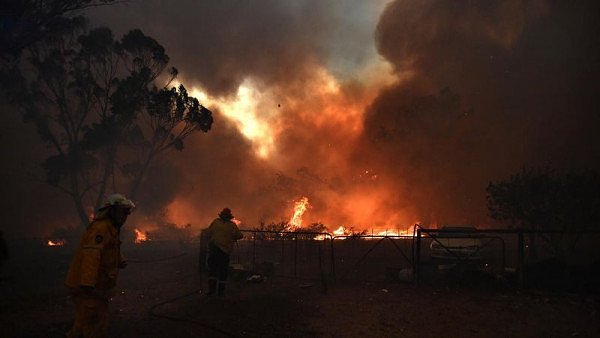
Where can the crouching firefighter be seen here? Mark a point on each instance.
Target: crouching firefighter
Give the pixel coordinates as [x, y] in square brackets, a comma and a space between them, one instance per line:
[92, 276]
[221, 234]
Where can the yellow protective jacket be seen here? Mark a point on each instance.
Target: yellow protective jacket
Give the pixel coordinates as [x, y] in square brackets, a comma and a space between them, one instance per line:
[97, 258]
[223, 233]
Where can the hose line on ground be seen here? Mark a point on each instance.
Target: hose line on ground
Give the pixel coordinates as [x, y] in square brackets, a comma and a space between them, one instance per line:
[156, 260]
[154, 307]
[187, 320]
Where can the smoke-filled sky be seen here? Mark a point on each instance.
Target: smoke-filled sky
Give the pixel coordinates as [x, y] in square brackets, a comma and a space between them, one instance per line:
[382, 113]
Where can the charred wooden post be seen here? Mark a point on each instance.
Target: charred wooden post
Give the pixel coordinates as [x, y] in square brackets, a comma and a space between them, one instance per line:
[418, 258]
[521, 259]
[322, 273]
[254, 251]
[332, 257]
[296, 255]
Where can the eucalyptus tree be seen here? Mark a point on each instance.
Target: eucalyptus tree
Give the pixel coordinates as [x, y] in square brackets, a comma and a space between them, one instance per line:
[98, 102]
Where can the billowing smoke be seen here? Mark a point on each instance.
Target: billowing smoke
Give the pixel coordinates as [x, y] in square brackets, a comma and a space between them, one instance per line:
[494, 86]
[305, 104]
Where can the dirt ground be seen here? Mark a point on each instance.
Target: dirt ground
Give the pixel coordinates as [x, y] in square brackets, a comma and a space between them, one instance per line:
[159, 295]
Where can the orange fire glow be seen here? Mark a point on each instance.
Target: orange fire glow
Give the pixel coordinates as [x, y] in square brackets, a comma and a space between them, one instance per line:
[340, 231]
[300, 208]
[387, 233]
[258, 112]
[182, 211]
[396, 232]
[140, 236]
[58, 242]
[323, 104]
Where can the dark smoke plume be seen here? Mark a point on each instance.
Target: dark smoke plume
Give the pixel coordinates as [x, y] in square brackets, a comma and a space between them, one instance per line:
[496, 85]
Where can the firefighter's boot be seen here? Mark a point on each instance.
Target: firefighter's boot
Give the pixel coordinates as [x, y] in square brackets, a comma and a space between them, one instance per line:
[222, 288]
[212, 286]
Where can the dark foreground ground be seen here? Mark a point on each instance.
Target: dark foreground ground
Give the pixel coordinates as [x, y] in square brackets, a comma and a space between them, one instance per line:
[159, 295]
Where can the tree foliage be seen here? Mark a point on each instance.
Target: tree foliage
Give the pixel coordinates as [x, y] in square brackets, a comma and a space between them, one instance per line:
[25, 22]
[95, 101]
[542, 199]
[546, 200]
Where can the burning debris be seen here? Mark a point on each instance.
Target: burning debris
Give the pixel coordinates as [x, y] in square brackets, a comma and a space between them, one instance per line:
[341, 231]
[58, 242]
[140, 236]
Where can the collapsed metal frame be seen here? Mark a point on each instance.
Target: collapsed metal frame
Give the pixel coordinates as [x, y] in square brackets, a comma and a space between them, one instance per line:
[436, 234]
[489, 234]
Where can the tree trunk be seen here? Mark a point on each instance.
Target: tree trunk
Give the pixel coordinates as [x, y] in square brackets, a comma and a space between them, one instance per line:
[137, 181]
[77, 199]
[108, 171]
[83, 216]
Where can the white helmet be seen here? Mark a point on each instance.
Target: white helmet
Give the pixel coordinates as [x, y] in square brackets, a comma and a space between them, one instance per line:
[119, 200]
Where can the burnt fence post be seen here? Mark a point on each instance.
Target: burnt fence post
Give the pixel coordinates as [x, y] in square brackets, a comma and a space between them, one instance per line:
[417, 264]
[521, 258]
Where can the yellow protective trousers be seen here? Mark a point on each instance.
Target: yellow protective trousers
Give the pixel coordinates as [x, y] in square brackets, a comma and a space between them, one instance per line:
[91, 317]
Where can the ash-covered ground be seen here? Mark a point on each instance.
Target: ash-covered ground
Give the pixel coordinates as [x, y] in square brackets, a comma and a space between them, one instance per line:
[160, 295]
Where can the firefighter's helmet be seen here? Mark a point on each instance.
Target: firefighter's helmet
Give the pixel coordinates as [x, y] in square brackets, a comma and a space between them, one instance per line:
[226, 214]
[118, 200]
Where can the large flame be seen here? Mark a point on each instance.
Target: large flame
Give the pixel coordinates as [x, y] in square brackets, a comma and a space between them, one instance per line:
[258, 112]
[300, 208]
[140, 236]
[245, 112]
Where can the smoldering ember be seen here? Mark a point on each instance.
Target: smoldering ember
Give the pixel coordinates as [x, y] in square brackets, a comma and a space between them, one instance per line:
[381, 168]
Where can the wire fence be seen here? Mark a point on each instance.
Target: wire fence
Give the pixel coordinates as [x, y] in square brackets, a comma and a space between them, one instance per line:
[426, 255]
[523, 257]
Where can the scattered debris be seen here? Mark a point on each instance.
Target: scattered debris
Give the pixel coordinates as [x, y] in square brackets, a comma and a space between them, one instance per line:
[256, 279]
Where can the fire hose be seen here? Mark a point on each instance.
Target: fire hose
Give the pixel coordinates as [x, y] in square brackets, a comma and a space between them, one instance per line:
[186, 320]
[154, 307]
[156, 260]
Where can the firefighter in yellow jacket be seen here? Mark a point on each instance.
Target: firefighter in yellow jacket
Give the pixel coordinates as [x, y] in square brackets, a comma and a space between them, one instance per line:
[93, 272]
[221, 234]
